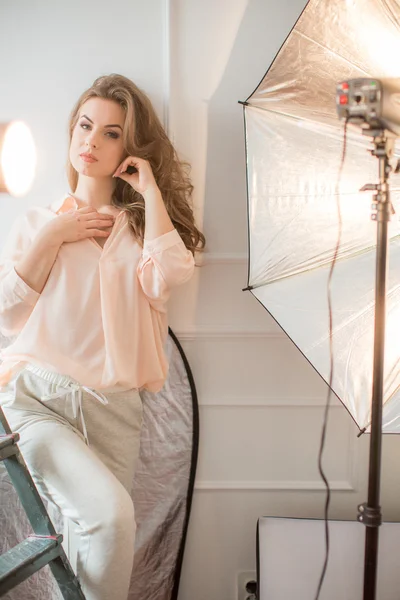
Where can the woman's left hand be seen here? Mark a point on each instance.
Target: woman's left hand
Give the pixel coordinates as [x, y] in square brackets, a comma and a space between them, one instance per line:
[143, 180]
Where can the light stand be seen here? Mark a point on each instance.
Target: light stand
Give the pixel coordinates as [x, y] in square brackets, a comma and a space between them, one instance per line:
[371, 103]
[370, 512]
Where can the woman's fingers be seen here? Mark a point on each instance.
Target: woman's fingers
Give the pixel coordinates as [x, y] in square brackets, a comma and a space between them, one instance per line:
[85, 210]
[97, 216]
[88, 213]
[94, 223]
[97, 220]
[129, 161]
[100, 223]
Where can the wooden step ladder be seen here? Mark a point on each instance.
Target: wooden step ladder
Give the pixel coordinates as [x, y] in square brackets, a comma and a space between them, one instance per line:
[41, 548]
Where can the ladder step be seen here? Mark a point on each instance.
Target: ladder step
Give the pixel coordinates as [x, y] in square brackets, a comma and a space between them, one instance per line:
[44, 546]
[8, 445]
[26, 558]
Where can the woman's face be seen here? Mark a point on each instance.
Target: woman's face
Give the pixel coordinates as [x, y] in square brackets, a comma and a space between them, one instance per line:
[98, 132]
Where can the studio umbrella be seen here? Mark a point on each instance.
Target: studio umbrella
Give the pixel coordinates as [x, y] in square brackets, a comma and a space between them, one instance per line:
[294, 143]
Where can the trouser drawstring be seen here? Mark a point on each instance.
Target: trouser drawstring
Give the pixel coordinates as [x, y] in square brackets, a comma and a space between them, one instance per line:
[76, 396]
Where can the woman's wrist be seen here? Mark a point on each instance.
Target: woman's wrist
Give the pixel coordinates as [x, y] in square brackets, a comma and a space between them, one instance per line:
[158, 221]
[152, 194]
[50, 235]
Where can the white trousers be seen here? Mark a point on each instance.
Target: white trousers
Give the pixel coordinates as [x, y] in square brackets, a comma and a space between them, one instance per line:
[81, 448]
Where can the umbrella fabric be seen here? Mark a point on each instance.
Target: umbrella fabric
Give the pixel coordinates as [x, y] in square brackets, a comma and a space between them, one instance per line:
[294, 146]
[162, 492]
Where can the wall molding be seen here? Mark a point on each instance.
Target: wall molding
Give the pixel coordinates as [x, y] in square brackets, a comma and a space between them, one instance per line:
[340, 485]
[227, 333]
[274, 485]
[271, 402]
[222, 258]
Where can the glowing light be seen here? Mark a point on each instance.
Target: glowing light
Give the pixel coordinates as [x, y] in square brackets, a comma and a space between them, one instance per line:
[17, 158]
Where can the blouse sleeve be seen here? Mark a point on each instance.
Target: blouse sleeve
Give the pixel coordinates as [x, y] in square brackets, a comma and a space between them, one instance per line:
[17, 299]
[165, 263]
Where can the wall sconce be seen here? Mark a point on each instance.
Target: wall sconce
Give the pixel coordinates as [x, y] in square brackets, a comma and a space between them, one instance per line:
[17, 158]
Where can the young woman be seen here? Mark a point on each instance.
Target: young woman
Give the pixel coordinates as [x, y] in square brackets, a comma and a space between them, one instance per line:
[83, 291]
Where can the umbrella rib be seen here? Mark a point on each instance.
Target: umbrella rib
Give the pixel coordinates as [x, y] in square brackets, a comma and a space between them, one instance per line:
[308, 360]
[282, 113]
[338, 329]
[346, 60]
[323, 264]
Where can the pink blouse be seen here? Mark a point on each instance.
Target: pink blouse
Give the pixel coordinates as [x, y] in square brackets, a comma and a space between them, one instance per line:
[101, 317]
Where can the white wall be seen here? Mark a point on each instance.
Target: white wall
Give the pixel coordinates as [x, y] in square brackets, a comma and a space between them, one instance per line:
[261, 403]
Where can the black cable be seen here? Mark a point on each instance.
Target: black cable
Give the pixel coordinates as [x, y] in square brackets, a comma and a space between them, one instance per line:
[327, 405]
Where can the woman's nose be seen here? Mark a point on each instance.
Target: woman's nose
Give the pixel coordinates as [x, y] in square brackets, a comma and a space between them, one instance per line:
[91, 140]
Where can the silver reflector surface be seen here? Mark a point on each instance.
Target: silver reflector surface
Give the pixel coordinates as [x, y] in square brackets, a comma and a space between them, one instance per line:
[294, 145]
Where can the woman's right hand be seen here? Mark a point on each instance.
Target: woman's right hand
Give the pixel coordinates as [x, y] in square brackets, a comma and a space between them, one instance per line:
[79, 224]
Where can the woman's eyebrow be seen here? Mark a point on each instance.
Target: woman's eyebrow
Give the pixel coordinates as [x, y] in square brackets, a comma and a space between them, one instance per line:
[86, 117]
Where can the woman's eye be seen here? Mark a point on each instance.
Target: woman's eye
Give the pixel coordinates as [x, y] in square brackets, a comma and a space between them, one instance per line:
[112, 134]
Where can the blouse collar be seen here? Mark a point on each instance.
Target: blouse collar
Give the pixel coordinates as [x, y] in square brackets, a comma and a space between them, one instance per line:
[68, 202]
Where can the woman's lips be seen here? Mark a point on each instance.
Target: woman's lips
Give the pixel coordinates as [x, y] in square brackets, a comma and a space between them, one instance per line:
[88, 159]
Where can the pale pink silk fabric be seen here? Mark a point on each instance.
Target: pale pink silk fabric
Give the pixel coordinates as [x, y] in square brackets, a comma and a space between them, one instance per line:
[101, 317]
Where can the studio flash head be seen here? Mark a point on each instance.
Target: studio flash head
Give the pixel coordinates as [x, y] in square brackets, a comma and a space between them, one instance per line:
[371, 103]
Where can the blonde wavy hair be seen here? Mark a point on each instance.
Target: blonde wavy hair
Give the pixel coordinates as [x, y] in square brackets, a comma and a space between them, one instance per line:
[144, 137]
